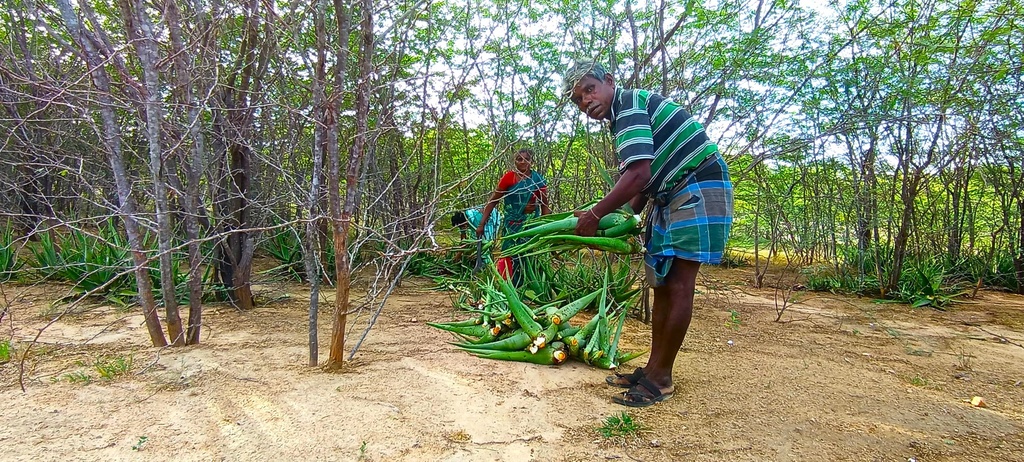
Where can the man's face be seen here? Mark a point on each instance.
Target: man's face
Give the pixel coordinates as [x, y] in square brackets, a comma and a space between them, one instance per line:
[594, 97]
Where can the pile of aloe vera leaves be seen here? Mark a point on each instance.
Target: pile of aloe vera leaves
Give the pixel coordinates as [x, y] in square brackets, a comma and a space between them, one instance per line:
[559, 312]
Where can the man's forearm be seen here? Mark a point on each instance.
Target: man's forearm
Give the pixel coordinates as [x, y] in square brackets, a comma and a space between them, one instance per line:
[626, 189]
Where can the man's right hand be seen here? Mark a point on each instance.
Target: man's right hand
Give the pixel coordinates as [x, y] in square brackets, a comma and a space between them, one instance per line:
[587, 221]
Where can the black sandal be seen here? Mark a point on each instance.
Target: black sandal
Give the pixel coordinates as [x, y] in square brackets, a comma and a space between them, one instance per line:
[631, 378]
[643, 394]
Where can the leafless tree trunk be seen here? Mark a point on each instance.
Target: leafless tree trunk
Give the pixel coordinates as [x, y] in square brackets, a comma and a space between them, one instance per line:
[193, 170]
[342, 218]
[310, 243]
[140, 29]
[112, 141]
[233, 126]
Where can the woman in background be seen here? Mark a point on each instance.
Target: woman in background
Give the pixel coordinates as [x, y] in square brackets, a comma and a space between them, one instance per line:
[525, 194]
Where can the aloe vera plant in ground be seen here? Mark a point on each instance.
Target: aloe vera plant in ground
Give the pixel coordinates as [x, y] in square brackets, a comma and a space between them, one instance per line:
[9, 262]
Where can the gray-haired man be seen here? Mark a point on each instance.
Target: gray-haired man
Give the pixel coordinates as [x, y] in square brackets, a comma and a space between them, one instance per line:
[666, 158]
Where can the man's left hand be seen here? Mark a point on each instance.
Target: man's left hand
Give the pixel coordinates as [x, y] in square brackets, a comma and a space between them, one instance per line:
[587, 222]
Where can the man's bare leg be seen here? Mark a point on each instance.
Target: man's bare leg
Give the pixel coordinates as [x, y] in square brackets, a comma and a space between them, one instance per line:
[673, 309]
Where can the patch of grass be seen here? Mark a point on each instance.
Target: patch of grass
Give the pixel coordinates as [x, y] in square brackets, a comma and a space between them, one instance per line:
[919, 381]
[845, 280]
[734, 320]
[5, 351]
[138, 445]
[77, 377]
[620, 424]
[362, 451]
[112, 368]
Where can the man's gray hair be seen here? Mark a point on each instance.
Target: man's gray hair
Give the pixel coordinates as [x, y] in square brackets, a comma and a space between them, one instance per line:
[580, 70]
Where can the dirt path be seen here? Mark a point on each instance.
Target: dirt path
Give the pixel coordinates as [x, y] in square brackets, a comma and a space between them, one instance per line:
[844, 379]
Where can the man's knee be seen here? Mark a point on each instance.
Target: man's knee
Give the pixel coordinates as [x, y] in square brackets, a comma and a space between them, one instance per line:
[683, 275]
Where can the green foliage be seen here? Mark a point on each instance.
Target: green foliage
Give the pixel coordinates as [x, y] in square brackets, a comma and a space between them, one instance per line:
[141, 442]
[844, 281]
[538, 282]
[9, 262]
[98, 264]
[285, 247]
[826, 118]
[733, 259]
[110, 368]
[456, 263]
[994, 270]
[855, 272]
[620, 424]
[77, 377]
[90, 262]
[822, 281]
[922, 283]
[5, 351]
[180, 275]
[734, 320]
[362, 451]
[47, 257]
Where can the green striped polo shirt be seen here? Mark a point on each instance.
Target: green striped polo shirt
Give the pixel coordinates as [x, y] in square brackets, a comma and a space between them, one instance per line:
[647, 125]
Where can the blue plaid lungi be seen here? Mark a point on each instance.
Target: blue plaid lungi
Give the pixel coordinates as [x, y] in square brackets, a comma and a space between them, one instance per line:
[690, 222]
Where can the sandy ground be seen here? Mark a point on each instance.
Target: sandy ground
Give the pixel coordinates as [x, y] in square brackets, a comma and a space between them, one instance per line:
[840, 379]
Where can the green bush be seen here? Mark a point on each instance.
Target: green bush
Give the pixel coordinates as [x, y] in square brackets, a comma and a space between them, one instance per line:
[110, 368]
[454, 263]
[994, 271]
[9, 263]
[923, 283]
[286, 247]
[47, 258]
[180, 277]
[89, 262]
[844, 281]
[92, 262]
